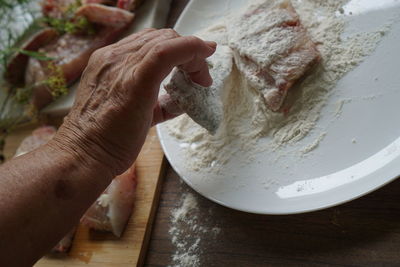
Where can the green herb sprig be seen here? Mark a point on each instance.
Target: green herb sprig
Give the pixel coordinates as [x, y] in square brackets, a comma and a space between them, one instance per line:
[15, 106]
[75, 25]
[69, 22]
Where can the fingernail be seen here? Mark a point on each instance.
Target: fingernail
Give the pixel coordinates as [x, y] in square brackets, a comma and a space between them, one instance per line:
[212, 44]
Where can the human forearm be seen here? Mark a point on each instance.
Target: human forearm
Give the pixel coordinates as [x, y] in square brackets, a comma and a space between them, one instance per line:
[45, 192]
[43, 195]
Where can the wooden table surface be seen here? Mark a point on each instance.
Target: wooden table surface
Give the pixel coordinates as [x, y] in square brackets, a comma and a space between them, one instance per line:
[364, 232]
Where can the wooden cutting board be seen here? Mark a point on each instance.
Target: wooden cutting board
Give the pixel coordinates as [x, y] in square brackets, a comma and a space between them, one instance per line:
[92, 248]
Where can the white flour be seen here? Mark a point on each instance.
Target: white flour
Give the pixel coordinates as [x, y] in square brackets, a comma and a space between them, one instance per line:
[247, 120]
[204, 104]
[186, 231]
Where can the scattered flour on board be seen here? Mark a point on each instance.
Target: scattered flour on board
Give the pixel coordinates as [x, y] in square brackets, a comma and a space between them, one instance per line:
[186, 230]
[246, 120]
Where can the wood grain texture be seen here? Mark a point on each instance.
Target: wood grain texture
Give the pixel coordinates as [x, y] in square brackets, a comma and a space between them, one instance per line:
[364, 232]
[92, 248]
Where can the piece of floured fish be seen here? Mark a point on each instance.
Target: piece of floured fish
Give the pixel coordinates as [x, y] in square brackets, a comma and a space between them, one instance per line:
[112, 210]
[203, 104]
[271, 48]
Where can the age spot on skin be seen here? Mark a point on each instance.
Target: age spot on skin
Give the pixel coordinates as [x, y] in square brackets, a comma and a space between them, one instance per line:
[62, 190]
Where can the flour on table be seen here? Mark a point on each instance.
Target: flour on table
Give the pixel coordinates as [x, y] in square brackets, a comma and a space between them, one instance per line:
[246, 121]
[189, 204]
[186, 231]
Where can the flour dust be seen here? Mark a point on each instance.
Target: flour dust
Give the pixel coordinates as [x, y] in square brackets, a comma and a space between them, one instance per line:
[248, 126]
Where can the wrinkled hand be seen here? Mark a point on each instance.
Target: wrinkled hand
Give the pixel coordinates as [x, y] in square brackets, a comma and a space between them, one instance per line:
[117, 100]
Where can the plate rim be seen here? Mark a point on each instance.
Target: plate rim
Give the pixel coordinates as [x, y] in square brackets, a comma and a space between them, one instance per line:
[289, 211]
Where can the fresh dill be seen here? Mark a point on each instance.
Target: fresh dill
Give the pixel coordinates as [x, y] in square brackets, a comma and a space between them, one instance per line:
[68, 22]
[74, 25]
[19, 19]
[56, 81]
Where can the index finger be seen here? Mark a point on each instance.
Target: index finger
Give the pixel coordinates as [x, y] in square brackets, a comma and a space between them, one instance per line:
[188, 52]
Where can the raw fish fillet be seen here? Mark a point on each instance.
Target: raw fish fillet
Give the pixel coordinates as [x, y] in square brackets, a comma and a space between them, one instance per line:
[131, 5]
[203, 104]
[56, 8]
[112, 210]
[71, 53]
[271, 48]
[106, 2]
[16, 66]
[39, 137]
[105, 15]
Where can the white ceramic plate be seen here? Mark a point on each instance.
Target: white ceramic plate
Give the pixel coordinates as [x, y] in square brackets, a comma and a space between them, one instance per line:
[340, 169]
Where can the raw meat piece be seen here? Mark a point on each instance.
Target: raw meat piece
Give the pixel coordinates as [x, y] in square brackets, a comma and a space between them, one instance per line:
[71, 53]
[112, 210]
[16, 66]
[65, 244]
[106, 2]
[271, 48]
[62, 8]
[131, 5]
[56, 8]
[203, 104]
[105, 15]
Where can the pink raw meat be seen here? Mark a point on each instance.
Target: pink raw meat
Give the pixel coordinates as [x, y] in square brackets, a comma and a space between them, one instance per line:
[112, 210]
[105, 15]
[129, 4]
[71, 53]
